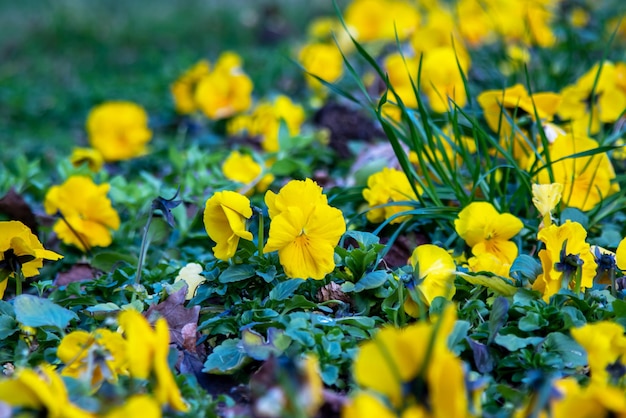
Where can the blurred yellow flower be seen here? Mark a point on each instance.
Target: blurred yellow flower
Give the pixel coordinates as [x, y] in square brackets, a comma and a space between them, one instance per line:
[402, 72]
[266, 119]
[441, 79]
[487, 231]
[191, 274]
[381, 20]
[41, 390]
[93, 356]
[435, 272]
[565, 256]
[137, 406]
[87, 212]
[385, 188]
[118, 130]
[511, 111]
[243, 169]
[147, 350]
[225, 91]
[605, 344]
[89, 156]
[225, 216]
[586, 180]
[323, 60]
[487, 262]
[584, 111]
[414, 370]
[184, 88]
[304, 229]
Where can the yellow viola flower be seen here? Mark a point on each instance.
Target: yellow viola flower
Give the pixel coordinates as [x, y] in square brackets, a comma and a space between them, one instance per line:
[366, 405]
[225, 91]
[147, 350]
[435, 271]
[386, 187]
[119, 130]
[545, 198]
[89, 156]
[96, 356]
[510, 112]
[136, 406]
[586, 180]
[87, 212]
[380, 20]
[323, 60]
[20, 248]
[413, 369]
[265, 121]
[402, 72]
[441, 79]
[183, 89]
[191, 274]
[42, 390]
[304, 229]
[225, 216]
[487, 231]
[605, 344]
[584, 112]
[566, 254]
[243, 169]
[589, 402]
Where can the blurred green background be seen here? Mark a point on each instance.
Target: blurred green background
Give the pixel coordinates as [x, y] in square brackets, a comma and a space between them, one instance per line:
[58, 58]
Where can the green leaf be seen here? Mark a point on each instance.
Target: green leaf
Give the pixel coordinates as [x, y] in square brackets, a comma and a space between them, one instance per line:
[298, 302]
[364, 239]
[330, 374]
[8, 326]
[107, 261]
[532, 321]
[495, 283]
[268, 275]
[285, 167]
[572, 353]
[226, 358]
[525, 267]
[575, 215]
[32, 311]
[284, 290]
[371, 280]
[102, 310]
[619, 307]
[572, 317]
[497, 317]
[237, 273]
[6, 308]
[513, 343]
[458, 335]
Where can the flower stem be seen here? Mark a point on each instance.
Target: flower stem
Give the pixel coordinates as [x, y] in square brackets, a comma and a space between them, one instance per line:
[613, 284]
[145, 242]
[19, 279]
[578, 277]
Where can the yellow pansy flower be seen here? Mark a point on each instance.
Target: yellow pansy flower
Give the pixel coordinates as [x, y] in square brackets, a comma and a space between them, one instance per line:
[225, 91]
[190, 274]
[605, 344]
[137, 406]
[225, 216]
[566, 252]
[441, 79]
[323, 60]
[584, 112]
[98, 355]
[586, 180]
[243, 169]
[388, 186]
[487, 231]
[545, 198]
[304, 229]
[119, 130]
[147, 353]
[42, 390]
[435, 270]
[87, 212]
[183, 89]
